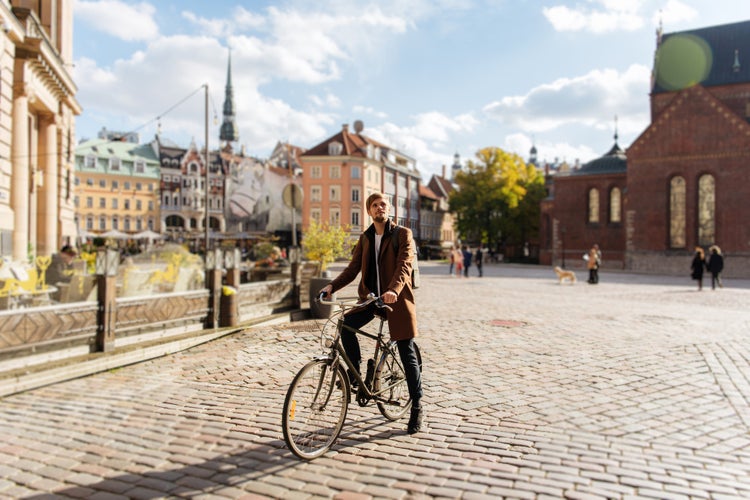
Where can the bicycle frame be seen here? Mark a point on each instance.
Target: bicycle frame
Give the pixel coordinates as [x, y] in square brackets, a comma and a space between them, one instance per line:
[338, 353]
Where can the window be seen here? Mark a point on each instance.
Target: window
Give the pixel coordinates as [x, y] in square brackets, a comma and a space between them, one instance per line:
[126, 204]
[102, 223]
[334, 217]
[114, 163]
[335, 172]
[102, 202]
[615, 205]
[706, 210]
[355, 172]
[166, 178]
[335, 193]
[138, 205]
[76, 201]
[138, 186]
[166, 200]
[89, 202]
[315, 215]
[115, 223]
[355, 195]
[90, 161]
[126, 186]
[315, 172]
[315, 194]
[140, 166]
[150, 187]
[89, 223]
[115, 185]
[89, 182]
[126, 224]
[114, 202]
[102, 183]
[677, 212]
[593, 206]
[355, 217]
[139, 224]
[151, 206]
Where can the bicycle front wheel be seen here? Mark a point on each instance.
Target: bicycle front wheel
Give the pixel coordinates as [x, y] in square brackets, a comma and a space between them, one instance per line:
[390, 384]
[315, 409]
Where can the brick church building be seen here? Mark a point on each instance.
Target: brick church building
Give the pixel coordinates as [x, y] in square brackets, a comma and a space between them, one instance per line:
[682, 183]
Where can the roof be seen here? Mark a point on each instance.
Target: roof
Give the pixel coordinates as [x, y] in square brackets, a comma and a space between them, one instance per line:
[613, 162]
[427, 192]
[127, 152]
[353, 144]
[719, 55]
[441, 186]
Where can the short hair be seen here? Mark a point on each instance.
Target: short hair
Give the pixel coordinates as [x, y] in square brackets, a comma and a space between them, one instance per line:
[67, 249]
[371, 199]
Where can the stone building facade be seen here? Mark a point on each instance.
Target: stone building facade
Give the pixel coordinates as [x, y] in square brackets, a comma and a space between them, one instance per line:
[37, 113]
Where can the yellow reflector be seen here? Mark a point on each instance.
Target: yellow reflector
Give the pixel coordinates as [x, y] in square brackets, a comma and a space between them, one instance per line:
[292, 407]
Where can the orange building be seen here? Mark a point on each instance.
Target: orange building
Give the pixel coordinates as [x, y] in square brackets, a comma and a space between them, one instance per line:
[343, 170]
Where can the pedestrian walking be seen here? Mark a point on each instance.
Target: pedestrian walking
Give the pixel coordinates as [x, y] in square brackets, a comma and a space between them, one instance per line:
[715, 265]
[452, 257]
[458, 257]
[593, 261]
[388, 275]
[466, 255]
[697, 266]
[478, 260]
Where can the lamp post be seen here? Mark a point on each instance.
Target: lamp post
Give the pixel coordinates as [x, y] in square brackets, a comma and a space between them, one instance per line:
[563, 246]
[206, 223]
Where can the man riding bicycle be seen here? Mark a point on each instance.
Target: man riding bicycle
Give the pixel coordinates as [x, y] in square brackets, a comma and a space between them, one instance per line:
[389, 276]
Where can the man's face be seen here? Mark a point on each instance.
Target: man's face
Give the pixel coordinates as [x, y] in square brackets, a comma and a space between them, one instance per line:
[379, 210]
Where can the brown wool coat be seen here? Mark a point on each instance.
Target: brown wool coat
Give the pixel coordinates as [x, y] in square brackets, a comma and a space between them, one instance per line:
[395, 275]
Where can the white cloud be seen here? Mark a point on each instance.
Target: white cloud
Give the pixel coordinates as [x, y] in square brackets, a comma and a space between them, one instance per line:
[126, 21]
[611, 15]
[365, 110]
[674, 13]
[588, 99]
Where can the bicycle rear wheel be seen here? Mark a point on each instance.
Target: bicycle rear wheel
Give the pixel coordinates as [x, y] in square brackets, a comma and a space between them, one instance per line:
[390, 378]
[315, 409]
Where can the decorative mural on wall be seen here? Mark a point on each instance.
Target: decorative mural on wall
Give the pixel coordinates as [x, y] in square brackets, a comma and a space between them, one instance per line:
[254, 199]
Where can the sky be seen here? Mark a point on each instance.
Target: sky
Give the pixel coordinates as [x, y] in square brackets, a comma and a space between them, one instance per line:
[431, 78]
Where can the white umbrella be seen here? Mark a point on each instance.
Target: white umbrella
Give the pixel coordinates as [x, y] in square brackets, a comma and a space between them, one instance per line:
[114, 233]
[147, 235]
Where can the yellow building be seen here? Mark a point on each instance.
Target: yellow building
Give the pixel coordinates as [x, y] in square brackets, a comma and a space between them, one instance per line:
[117, 187]
[37, 127]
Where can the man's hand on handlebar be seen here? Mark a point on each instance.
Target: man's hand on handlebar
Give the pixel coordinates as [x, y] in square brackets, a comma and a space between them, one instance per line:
[325, 292]
[389, 297]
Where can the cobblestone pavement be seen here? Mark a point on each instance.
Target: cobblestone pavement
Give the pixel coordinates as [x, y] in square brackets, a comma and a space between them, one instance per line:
[638, 387]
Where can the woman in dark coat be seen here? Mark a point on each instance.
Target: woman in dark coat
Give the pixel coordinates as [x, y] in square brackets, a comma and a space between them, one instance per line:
[699, 262]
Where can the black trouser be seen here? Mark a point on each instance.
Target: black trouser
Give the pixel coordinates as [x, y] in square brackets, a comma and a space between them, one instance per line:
[594, 275]
[359, 318]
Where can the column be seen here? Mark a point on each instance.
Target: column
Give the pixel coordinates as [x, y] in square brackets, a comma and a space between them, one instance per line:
[48, 202]
[19, 196]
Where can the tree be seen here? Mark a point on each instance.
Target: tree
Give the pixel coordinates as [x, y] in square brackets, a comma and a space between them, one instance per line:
[325, 243]
[497, 200]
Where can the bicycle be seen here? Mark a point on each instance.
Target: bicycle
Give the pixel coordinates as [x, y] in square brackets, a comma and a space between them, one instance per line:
[318, 398]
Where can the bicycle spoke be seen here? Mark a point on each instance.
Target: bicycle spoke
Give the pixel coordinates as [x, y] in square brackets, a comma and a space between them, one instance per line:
[315, 409]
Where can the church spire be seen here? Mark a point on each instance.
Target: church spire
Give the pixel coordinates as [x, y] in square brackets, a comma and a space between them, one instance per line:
[229, 132]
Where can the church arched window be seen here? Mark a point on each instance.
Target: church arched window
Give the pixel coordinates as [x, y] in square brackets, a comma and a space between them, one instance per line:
[615, 205]
[706, 210]
[593, 205]
[677, 212]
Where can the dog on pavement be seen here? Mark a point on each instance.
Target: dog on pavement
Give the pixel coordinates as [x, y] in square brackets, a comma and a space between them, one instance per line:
[563, 275]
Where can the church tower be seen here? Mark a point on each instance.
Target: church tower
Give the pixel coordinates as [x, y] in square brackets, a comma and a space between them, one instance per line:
[229, 132]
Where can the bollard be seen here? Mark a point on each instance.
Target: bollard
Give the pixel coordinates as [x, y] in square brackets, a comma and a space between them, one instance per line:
[228, 307]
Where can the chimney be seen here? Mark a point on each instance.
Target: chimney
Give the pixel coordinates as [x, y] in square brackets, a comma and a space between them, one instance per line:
[443, 171]
[345, 128]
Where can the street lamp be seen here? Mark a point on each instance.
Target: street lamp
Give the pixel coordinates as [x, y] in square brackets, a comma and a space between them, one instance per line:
[206, 223]
[563, 246]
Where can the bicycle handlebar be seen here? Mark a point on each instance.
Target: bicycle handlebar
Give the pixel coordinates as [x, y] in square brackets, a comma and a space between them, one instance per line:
[354, 302]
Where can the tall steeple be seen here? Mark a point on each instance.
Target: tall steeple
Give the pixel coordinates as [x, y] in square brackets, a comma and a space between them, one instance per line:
[229, 132]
